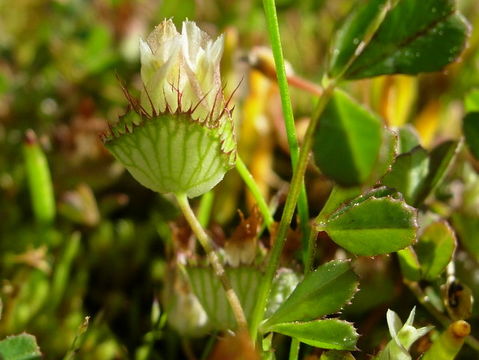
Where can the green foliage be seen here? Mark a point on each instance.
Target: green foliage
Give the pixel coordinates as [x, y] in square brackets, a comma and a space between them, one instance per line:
[408, 139]
[373, 226]
[441, 159]
[360, 25]
[323, 291]
[431, 254]
[471, 132]
[20, 347]
[348, 141]
[416, 173]
[471, 102]
[326, 334]
[414, 37]
[467, 227]
[410, 266]
[408, 174]
[435, 248]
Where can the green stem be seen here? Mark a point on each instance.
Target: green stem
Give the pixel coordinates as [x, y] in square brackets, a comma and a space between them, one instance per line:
[275, 39]
[204, 210]
[209, 346]
[308, 260]
[294, 191]
[255, 191]
[294, 349]
[472, 342]
[213, 258]
[78, 340]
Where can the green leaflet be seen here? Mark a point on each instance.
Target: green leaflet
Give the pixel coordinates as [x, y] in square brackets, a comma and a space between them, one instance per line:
[467, 228]
[414, 37]
[416, 174]
[441, 159]
[470, 129]
[408, 174]
[327, 334]
[322, 292]
[19, 347]
[409, 263]
[373, 226]
[471, 102]
[408, 139]
[348, 140]
[435, 248]
[363, 21]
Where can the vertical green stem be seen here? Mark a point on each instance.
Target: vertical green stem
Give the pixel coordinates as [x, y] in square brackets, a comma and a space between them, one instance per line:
[204, 210]
[273, 30]
[213, 258]
[255, 191]
[294, 191]
[294, 349]
[78, 340]
[308, 260]
[62, 271]
[209, 346]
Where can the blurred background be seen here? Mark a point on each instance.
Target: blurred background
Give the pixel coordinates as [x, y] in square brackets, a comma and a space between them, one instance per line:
[103, 247]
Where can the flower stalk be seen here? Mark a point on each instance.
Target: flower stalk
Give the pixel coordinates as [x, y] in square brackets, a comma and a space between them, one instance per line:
[219, 270]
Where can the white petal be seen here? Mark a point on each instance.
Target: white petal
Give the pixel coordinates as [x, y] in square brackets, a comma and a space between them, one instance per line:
[410, 319]
[147, 61]
[191, 42]
[394, 323]
[215, 51]
[163, 33]
[145, 49]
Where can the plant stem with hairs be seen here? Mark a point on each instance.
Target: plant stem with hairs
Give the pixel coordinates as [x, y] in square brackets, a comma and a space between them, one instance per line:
[213, 258]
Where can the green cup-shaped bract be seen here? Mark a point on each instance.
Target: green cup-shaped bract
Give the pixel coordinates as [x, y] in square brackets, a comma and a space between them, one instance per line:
[172, 153]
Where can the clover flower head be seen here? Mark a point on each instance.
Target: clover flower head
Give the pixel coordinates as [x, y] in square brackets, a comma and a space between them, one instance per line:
[179, 137]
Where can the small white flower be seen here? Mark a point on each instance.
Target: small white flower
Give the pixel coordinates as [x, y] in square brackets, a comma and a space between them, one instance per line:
[403, 336]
